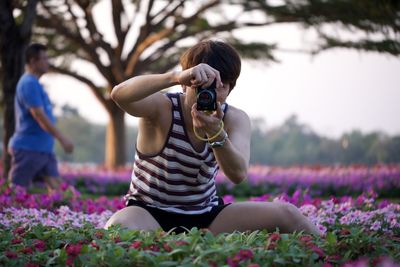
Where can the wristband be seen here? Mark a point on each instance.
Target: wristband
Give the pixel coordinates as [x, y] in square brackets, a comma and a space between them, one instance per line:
[212, 137]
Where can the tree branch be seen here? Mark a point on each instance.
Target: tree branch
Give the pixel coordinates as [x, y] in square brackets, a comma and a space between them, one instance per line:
[168, 14]
[98, 40]
[117, 11]
[148, 12]
[96, 90]
[149, 40]
[57, 24]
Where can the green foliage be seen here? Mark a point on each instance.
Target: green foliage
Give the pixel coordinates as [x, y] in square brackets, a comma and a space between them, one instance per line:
[296, 143]
[375, 23]
[118, 247]
[288, 144]
[88, 138]
[247, 190]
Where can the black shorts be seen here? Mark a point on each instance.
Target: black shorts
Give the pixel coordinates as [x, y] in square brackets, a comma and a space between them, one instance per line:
[180, 222]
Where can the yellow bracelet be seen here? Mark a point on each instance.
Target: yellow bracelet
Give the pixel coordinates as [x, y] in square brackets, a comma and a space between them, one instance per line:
[210, 138]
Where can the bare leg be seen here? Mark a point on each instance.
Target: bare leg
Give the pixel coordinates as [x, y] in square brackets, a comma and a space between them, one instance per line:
[244, 216]
[133, 218]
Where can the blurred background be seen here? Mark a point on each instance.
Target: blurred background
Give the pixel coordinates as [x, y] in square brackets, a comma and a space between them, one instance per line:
[319, 78]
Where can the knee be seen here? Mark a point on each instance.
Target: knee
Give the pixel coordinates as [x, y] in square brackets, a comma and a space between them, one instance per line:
[290, 212]
[116, 219]
[112, 221]
[133, 218]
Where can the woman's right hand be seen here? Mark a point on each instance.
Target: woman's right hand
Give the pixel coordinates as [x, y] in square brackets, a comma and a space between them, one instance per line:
[200, 75]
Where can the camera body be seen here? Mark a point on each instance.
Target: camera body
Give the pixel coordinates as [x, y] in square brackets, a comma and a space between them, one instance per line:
[207, 98]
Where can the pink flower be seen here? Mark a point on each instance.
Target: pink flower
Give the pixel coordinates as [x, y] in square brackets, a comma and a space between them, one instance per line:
[27, 250]
[245, 254]
[136, 244]
[274, 237]
[11, 254]
[19, 230]
[74, 250]
[305, 238]
[228, 199]
[39, 245]
[167, 247]
[16, 241]
[232, 262]
[317, 250]
[376, 226]
[153, 247]
[70, 261]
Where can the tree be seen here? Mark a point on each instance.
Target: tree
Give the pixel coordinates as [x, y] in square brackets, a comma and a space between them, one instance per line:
[16, 20]
[373, 26]
[161, 28]
[70, 29]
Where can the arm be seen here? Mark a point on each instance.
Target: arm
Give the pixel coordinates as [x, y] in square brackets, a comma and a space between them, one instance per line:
[234, 156]
[140, 96]
[44, 122]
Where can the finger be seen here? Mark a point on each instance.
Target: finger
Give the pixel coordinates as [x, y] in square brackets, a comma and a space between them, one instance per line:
[219, 82]
[220, 113]
[204, 78]
[197, 79]
[210, 77]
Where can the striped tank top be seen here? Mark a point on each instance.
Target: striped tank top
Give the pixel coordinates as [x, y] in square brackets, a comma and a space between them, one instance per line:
[178, 179]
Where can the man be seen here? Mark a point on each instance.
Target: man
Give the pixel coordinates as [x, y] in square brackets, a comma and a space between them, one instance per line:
[31, 146]
[180, 149]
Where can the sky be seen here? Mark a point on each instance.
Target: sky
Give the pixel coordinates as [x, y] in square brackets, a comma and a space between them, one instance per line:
[334, 92]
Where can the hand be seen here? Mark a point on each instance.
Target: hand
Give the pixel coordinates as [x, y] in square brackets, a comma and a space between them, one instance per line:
[208, 124]
[200, 75]
[67, 145]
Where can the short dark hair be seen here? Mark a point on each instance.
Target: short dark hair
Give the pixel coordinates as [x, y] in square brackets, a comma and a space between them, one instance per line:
[219, 55]
[33, 51]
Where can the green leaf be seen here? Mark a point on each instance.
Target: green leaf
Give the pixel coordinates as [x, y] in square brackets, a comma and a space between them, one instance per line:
[331, 239]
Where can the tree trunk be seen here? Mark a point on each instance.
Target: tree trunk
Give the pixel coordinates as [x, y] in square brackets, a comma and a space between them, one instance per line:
[13, 41]
[12, 61]
[116, 140]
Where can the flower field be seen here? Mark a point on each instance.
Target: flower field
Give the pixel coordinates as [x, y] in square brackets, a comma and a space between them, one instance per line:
[356, 207]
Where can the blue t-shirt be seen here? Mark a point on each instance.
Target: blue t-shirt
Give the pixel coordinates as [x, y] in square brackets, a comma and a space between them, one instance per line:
[28, 133]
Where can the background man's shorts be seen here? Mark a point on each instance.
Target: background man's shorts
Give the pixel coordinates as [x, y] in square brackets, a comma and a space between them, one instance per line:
[27, 165]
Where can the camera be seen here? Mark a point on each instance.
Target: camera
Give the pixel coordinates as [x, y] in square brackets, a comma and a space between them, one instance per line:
[207, 98]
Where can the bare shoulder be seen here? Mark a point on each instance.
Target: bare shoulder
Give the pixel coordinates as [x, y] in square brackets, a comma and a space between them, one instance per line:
[236, 117]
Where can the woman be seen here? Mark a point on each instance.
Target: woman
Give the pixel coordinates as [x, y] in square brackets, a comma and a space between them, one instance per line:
[180, 149]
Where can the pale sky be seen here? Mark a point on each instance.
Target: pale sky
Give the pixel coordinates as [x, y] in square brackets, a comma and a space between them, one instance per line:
[334, 92]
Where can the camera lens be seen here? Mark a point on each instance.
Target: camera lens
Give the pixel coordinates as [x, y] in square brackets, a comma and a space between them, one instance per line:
[205, 97]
